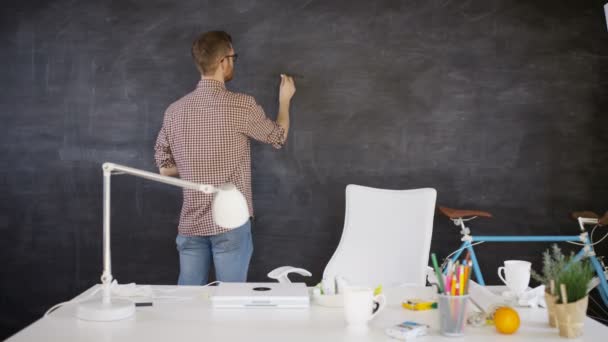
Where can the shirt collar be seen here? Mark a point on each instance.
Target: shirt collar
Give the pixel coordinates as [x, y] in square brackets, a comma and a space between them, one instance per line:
[206, 83]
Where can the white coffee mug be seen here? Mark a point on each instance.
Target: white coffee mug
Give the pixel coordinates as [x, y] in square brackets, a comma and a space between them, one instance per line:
[516, 275]
[360, 305]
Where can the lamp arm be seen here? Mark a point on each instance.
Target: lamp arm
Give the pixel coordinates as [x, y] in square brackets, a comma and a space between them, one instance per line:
[108, 170]
[118, 169]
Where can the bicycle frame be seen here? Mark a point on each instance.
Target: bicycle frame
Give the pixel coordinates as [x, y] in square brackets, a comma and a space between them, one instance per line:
[586, 250]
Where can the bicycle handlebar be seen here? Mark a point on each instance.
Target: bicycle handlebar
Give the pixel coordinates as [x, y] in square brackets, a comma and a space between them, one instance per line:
[582, 221]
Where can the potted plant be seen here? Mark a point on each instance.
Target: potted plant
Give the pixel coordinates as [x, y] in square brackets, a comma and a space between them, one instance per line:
[572, 300]
[553, 263]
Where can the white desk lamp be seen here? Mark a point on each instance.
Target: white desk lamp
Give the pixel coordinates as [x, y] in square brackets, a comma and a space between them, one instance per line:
[229, 210]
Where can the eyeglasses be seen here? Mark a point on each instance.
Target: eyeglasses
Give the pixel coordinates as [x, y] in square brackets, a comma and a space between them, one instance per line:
[234, 57]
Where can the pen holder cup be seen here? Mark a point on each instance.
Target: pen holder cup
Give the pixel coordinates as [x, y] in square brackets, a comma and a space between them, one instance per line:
[452, 314]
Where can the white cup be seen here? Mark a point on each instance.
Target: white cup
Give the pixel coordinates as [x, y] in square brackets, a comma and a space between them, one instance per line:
[516, 275]
[360, 305]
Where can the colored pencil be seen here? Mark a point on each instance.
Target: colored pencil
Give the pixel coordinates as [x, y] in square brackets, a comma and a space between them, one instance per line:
[461, 279]
[438, 273]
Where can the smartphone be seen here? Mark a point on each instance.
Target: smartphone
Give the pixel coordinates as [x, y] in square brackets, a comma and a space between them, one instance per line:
[407, 330]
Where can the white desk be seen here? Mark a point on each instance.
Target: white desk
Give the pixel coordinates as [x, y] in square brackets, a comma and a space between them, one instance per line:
[195, 320]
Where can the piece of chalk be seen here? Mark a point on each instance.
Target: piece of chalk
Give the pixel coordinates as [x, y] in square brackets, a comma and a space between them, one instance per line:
[606, 13]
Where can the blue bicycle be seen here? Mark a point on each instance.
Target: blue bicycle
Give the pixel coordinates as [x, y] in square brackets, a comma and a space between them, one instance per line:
[584, 239]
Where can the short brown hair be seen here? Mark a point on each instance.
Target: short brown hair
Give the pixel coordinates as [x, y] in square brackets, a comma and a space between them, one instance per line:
[209, 48]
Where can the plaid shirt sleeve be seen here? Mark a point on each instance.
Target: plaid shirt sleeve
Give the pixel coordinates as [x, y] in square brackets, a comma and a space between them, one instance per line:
[261, 128]
[162, 150]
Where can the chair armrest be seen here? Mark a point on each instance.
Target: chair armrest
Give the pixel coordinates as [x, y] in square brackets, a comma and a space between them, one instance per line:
[431, 277]
[280, 274]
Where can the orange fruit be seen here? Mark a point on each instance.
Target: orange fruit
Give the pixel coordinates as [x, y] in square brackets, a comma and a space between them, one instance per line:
[506, 320]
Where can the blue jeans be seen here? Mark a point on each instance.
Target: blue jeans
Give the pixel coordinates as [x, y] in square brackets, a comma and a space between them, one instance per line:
[230, 253]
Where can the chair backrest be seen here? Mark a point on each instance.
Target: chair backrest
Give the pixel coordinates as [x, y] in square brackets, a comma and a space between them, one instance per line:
[386, 237]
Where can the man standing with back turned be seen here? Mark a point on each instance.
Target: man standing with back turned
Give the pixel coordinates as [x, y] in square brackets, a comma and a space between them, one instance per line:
[205, 139]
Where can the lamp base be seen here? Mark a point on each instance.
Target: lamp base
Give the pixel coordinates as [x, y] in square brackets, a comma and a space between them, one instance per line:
[96, 310]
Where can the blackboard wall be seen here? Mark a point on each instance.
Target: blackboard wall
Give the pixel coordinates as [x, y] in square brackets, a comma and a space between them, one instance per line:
[499, 105]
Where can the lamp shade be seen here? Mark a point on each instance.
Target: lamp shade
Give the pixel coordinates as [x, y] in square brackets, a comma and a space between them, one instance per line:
[229, 207]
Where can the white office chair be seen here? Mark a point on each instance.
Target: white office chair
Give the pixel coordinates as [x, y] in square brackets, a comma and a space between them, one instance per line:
[385, 241]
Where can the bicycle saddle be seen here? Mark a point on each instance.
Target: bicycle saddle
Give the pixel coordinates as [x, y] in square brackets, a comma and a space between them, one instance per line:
[462, 213]
[590, 214]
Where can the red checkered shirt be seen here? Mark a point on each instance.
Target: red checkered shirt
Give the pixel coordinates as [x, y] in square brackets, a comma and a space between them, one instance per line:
[206, 135]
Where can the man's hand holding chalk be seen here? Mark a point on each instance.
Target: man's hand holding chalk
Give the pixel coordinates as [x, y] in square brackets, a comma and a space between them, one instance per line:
[287, 89]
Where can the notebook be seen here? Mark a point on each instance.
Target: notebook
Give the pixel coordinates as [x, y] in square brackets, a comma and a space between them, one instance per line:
[260, 295]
